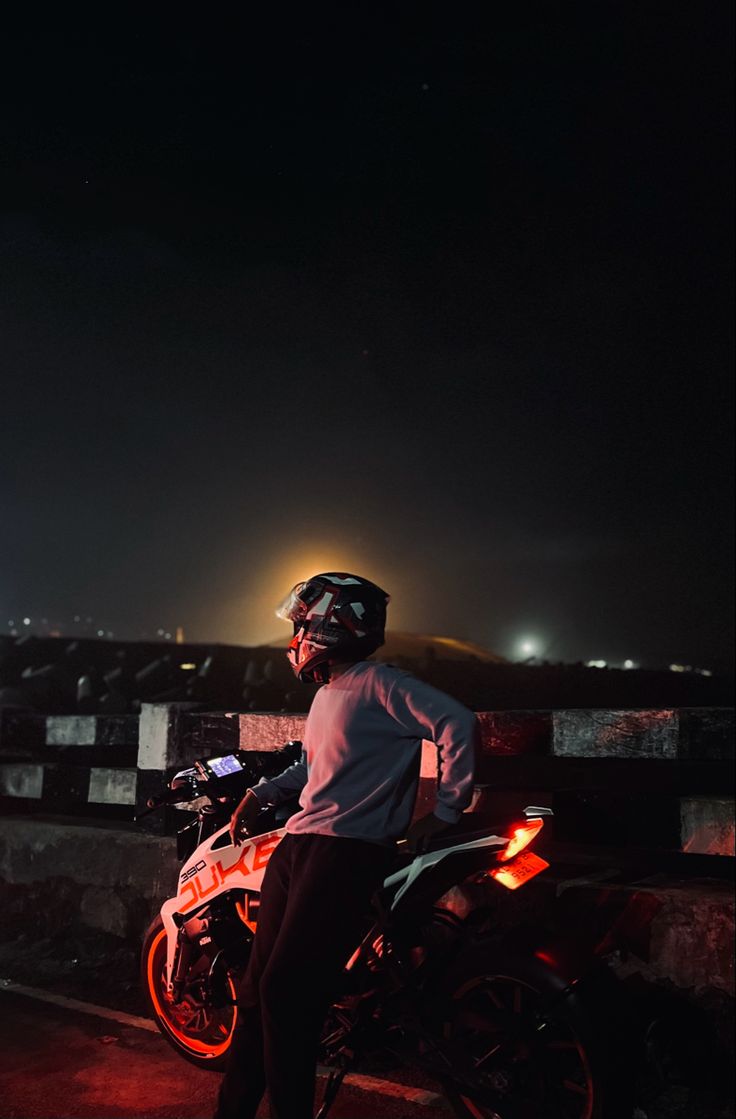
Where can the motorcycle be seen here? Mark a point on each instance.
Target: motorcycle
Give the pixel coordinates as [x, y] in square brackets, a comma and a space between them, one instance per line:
[507, 1025]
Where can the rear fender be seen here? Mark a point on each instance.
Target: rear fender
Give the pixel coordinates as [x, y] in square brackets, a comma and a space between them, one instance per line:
[430, 874]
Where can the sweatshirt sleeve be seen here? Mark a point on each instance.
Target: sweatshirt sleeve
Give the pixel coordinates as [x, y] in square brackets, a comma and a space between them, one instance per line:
[428, 713]
[275, 790]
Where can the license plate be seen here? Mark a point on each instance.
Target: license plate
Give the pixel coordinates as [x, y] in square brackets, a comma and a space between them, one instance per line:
[520, 870]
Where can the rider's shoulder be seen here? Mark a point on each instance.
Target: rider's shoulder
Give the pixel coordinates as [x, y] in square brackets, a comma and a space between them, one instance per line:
[386, 674]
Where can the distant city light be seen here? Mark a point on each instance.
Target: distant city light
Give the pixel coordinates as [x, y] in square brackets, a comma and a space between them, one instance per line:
[596, 664]
[629, 664]
[188, 666]
[100, 633]
[689, 668]
[26, 621]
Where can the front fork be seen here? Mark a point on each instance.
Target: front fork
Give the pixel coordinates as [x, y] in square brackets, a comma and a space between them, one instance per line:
[180, 969]
[216, 978]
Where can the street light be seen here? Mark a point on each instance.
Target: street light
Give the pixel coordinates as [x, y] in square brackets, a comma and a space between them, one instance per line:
[528, 647]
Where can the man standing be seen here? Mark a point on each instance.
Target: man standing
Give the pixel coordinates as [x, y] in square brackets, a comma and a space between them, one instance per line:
[357, 783]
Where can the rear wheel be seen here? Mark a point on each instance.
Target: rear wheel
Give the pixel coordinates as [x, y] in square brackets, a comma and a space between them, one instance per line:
[533, 1053]
[199, 1031]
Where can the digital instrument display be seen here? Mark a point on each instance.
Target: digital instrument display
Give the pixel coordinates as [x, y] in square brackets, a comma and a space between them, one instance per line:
[223, 767]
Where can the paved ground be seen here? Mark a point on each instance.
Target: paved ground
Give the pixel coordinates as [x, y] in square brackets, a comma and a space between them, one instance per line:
[57, 1063]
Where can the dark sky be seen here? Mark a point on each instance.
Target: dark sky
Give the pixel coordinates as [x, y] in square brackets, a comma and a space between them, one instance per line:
[446, 302]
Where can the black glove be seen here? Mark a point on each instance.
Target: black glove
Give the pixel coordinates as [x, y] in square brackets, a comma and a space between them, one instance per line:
[244, 818]
[422, 831]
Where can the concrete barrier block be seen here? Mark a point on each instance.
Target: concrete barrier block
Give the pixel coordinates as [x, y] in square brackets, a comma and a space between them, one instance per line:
[706, 733]
[692, 937]
[21, 780]
[154, 736]
[707, 825]
[111, 786]
[615, 734]
[22, 732]
[213, 732]
[513, 733]
[78, 871]
[71, 730]
[65, 787]
[117, 730]
[269, 732]
[689, 734]
[160, 743]
[680, 932]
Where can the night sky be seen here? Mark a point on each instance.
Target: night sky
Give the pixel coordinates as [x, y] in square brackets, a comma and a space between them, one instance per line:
[443, 301]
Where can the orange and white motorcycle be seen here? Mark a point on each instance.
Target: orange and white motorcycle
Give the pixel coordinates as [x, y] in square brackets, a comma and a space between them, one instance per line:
[508, 1025]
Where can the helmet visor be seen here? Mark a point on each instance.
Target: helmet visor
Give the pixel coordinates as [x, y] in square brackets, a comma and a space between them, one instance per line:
[293, 608]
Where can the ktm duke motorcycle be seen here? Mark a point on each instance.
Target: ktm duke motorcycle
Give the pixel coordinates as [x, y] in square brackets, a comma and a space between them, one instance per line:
[508, 1026]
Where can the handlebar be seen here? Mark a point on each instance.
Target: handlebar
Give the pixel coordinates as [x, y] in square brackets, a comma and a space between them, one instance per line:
[195, 782]
[168, 797]
[171, 796]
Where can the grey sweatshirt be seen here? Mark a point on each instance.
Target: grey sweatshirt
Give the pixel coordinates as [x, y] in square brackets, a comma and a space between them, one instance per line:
[359, 771]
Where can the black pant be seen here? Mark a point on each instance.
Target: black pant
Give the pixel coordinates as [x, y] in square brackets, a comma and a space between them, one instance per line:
[314, 898]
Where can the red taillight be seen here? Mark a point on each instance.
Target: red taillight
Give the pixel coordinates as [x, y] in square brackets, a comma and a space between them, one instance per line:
[521, 837]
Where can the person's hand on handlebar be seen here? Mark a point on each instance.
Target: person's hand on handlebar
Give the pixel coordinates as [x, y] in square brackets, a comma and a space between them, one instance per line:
[244, 818]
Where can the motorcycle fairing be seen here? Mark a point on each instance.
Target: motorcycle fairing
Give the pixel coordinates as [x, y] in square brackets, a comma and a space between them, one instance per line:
[209, 873]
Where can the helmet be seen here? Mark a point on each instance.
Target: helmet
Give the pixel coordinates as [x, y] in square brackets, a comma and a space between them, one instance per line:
[336, 617]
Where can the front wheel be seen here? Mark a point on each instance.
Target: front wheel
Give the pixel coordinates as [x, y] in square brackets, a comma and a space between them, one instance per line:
[197, 1030]
[533, 1051]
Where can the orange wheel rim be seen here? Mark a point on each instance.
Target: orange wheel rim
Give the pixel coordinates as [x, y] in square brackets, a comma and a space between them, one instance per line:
[194, 1045]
